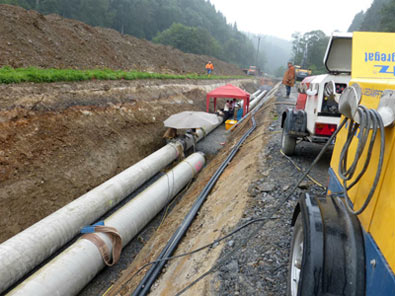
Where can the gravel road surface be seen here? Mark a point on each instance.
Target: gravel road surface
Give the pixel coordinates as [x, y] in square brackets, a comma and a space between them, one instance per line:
[260, 267]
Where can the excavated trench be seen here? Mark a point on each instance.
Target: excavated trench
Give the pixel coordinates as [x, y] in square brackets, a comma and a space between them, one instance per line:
[58, 141]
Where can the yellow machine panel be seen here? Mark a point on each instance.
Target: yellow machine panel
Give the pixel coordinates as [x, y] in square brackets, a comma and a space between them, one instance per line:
[373, 55]
[373, 69]
[382, 226]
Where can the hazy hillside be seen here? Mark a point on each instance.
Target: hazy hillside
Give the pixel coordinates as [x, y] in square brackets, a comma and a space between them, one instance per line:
[148, 19]
[27, 38]
[378, 18]
[273, 52]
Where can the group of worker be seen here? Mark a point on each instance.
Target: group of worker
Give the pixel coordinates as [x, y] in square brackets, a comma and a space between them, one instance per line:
[229, 109]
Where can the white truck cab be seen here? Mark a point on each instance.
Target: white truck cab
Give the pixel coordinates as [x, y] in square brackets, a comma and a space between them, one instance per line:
[315, 116]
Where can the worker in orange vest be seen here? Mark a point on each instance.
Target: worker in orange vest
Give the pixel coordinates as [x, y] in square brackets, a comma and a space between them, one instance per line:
[209, 68]
[289, 78]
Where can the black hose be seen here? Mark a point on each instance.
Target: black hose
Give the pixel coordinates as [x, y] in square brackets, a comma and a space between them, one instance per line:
[369, 119]
[270, 214]
[152, 274]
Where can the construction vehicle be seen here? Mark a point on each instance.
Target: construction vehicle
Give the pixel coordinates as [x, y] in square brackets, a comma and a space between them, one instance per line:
[254, 70]
[301, 73]
[315, 116]
[344, 243]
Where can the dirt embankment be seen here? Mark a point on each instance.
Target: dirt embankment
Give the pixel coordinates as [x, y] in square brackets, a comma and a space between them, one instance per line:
[28, 38]
[57, 141]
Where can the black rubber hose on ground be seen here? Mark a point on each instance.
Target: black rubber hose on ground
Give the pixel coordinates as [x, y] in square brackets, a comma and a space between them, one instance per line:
[262, 219]
[152, 274]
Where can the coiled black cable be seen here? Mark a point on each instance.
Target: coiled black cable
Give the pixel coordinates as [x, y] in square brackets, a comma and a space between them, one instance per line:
[369, 119]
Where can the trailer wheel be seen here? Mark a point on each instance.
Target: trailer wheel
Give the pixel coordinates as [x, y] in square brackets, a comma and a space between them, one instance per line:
[296, 256]
[288, 143]
[327, 250]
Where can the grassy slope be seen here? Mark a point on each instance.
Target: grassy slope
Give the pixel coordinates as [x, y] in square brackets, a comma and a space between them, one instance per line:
[10, 75]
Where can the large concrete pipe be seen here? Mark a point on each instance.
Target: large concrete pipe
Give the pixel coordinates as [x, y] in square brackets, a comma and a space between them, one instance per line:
[26, 250]
[256, 100]
[70, 271]
[253, 105]
[252, 98]
[255, 94]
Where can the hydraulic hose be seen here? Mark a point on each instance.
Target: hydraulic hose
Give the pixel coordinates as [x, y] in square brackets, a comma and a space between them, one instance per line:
[270, 214]
[264, 219]
[152, 274]
[369, 119]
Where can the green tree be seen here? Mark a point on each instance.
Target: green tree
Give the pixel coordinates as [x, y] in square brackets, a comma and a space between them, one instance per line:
[387, 22]
[372, 19]
[23, 3]
[189, 39]
[309, 50]
[149, 18]
[280, 71]
[357, 22]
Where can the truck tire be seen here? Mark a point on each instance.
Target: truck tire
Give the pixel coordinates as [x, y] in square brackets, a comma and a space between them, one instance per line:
[327, 250]
[306, 257]
[296, 257]
[288, 143]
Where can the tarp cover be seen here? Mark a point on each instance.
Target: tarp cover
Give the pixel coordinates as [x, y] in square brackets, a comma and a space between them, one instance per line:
[228, 91]
[191, 119]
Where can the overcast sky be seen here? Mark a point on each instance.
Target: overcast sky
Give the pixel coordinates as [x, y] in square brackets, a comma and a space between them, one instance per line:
[281, 18]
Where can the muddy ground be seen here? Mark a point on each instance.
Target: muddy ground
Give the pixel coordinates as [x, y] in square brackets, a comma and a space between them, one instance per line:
[58, 141]
[28, 38]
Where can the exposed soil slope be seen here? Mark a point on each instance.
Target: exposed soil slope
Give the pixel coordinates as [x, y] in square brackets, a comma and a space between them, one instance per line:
[57, 141]
[28, 38]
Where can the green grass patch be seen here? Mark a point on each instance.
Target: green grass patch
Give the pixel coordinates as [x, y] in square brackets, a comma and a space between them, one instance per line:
[32, 74]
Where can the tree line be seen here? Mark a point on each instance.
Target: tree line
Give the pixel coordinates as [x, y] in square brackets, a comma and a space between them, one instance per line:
[192, 26]
[309, 48]
[378, 18]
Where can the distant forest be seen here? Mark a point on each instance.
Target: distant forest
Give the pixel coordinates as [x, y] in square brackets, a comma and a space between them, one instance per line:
[308, 49]
[378, 18]
[195, 26]
[192, 26]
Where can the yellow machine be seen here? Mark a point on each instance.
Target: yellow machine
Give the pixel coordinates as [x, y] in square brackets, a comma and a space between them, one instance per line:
[301, 73]
[344, 244]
